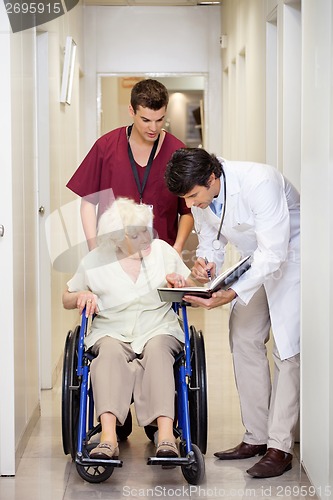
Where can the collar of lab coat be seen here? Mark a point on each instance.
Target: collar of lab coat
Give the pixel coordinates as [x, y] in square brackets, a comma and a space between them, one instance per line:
[232, 184]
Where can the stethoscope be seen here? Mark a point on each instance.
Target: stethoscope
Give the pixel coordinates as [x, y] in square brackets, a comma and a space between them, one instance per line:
[216, 243]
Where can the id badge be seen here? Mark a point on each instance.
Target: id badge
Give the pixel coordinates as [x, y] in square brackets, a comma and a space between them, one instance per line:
[151, 208]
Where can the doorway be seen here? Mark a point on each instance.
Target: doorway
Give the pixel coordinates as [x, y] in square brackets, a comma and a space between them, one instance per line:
[185, 114]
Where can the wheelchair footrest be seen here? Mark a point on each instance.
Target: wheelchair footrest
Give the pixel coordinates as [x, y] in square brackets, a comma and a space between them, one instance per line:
[96, 462]
[166, 461]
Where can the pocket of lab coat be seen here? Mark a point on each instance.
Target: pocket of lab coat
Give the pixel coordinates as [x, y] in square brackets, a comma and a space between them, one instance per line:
[243, 226]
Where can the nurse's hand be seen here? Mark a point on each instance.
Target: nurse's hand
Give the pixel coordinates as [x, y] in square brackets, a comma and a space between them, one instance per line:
[219, 298]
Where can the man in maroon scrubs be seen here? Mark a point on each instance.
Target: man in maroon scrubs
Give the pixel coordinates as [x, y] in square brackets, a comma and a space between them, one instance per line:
[130, 162]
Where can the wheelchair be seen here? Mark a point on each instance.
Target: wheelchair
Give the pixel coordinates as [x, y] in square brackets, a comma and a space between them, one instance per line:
[190, 423]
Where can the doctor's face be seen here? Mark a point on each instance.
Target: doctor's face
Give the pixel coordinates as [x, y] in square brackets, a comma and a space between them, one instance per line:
[202, 196]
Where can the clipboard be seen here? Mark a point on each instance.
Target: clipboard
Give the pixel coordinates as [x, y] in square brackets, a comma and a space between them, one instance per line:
[221, 282]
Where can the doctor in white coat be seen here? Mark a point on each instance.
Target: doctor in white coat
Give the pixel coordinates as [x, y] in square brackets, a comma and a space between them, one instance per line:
[257, 210]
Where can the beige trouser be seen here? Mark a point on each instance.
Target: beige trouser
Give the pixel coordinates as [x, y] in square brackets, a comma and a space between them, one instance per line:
[119, 375]
[269, 412]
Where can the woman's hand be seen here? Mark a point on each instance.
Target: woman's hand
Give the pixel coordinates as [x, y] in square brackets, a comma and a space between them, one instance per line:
[219, 298]
[80, 300]
[175, 280]
[87, 300]
[203, 271]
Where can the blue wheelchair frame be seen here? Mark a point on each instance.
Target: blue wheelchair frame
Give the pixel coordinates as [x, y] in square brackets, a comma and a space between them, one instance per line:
[182, 386]
[85, 394]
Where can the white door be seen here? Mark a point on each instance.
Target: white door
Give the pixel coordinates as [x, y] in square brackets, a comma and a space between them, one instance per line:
[43, 204]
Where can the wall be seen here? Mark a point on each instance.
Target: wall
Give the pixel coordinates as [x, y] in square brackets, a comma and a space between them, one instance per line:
[64, 153]
[261, 83]
[283, 86]
[129, 41]
[243, 84]
[243, 80]
[316, 234]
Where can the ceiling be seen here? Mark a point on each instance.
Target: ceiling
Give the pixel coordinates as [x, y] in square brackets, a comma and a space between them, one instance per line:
[171, 3]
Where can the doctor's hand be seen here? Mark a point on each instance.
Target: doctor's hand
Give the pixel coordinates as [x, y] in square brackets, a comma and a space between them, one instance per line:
[219, 298]
[203, 271]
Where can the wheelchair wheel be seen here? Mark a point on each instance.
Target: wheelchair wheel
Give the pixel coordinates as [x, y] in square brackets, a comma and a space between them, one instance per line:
[70, 397]
[198, 391]
[123, 431]
[93, 473]
[194, 473]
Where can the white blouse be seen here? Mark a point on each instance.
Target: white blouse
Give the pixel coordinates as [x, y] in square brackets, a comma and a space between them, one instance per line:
[128, 311]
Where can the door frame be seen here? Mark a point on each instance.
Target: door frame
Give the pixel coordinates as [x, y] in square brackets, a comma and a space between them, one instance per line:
[44, 269]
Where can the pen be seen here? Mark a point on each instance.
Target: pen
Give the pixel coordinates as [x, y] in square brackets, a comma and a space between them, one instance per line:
[208, 270]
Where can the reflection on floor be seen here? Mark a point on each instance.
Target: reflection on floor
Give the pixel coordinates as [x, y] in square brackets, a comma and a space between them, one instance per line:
[45, 473]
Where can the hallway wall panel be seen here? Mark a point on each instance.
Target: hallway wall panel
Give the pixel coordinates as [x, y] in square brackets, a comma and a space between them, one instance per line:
[129, 41]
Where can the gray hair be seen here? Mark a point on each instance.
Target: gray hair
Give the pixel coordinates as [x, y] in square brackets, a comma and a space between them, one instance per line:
[122, 217]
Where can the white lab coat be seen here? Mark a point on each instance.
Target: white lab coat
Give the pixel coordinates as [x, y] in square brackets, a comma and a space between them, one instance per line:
[262, 218]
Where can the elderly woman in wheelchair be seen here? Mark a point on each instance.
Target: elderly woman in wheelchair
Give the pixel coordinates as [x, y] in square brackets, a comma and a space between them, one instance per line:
[134, 336]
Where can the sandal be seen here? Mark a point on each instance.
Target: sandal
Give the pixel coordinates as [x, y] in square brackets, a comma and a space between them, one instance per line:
[167, 449]
[104, 451]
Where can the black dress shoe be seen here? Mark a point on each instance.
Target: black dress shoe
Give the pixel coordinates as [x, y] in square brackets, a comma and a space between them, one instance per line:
[243, 450]
[274, 463]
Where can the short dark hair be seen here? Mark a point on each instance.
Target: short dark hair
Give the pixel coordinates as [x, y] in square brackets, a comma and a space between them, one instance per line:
[149, 94]
[190, 167]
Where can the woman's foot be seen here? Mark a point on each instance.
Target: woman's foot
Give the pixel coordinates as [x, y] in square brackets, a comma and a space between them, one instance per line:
[105, 450]
[167, 449]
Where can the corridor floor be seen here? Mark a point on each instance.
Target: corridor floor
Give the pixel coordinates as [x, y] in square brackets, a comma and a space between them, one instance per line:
[45, 473]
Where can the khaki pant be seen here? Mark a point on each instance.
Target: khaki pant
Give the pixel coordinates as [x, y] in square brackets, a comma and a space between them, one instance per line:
[119, 375]
[269, 411]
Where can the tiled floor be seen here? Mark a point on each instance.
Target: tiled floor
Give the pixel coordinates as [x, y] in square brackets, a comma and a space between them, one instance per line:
[45, 473]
